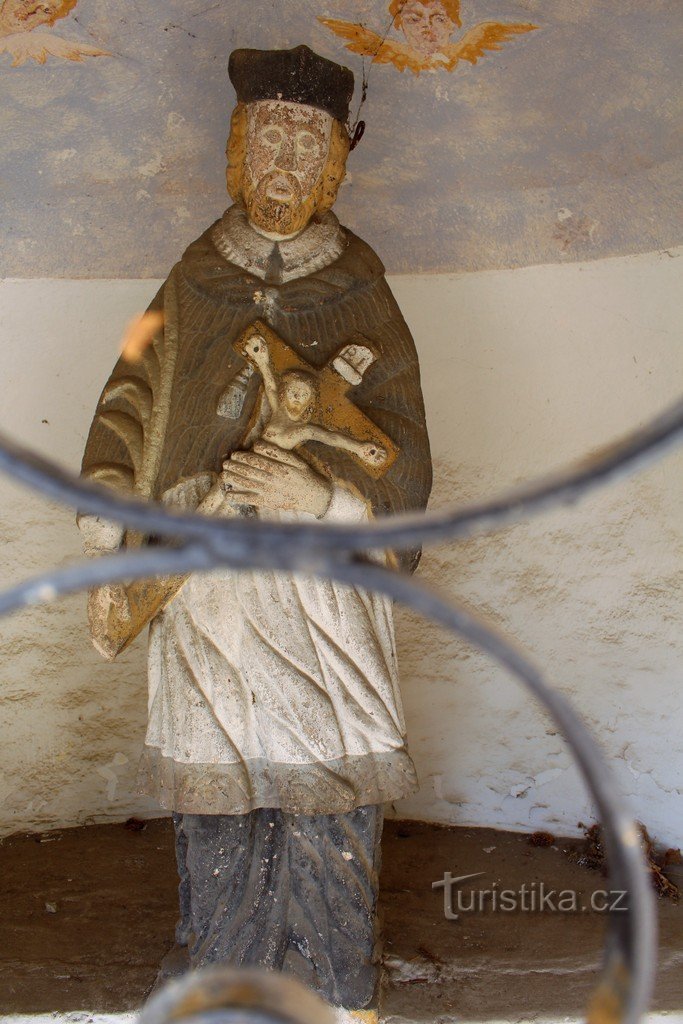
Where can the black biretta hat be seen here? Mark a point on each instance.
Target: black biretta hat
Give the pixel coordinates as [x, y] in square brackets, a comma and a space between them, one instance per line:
[297, 76]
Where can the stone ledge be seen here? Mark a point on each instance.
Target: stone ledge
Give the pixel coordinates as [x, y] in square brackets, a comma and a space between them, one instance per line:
[89, 913]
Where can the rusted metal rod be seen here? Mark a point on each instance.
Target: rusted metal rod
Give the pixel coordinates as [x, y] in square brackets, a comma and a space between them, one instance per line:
[285, 545]
[229, 995]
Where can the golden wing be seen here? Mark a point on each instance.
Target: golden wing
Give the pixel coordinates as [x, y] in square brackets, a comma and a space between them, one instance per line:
[64, 8]
[487, 36]
[38, 46]
[366, 42]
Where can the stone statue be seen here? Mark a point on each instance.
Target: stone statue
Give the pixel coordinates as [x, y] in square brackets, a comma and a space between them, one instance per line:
[283, 383]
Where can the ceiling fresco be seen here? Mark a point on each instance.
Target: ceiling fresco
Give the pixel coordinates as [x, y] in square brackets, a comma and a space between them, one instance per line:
[22, 35]
[427, 27]
[499, 133]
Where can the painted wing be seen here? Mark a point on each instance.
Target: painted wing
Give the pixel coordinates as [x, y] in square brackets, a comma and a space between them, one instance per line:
[66, 7]
[366, 42]
[24, 46]
[485, 37]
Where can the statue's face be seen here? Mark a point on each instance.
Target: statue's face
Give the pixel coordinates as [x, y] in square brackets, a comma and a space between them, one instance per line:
[427, 26]
[25, 15]
[287, 149]
[297, 397]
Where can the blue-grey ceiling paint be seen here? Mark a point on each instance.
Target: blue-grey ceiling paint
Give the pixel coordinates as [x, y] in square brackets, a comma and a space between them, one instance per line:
[562, 146]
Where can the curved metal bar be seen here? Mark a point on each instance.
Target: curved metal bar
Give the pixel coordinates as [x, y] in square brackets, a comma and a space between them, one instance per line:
[233, 1016]
[143, 563]
[631, 937]
[225, 994]
[316, 548]
[283, 544]
[628, 976]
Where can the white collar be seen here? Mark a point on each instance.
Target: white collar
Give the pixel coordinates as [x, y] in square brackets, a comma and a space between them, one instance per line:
[318, 245]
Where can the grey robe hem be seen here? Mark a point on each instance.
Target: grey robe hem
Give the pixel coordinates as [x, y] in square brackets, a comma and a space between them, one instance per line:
[324, 787]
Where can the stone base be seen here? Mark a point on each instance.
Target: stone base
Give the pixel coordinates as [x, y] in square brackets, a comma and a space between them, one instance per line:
[485, 966]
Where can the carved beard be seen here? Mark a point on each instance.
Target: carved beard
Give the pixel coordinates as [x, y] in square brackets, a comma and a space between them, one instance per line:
[276, 216]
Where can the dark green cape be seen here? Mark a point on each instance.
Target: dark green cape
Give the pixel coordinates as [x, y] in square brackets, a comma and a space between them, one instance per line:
[157, 423]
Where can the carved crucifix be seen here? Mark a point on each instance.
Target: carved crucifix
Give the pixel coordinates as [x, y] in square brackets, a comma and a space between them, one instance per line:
[303, 404]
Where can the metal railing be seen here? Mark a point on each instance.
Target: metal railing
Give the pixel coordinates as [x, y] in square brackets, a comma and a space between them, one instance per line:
[230, 995]
[332, 550]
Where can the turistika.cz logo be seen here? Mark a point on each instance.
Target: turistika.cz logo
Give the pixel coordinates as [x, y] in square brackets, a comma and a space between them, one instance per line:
[529, 898]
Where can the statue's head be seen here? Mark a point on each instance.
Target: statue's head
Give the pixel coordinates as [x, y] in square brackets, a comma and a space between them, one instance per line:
[427, 24]
[288, 142]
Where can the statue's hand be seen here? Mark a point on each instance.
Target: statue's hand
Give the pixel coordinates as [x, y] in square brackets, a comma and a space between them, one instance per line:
[271, 478]
[100, 536]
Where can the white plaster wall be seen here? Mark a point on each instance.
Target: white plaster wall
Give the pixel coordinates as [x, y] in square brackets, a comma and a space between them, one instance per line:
[523, 371]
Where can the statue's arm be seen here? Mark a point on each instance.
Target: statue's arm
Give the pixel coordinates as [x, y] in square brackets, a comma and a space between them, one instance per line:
[128, 417]
[118, 612]
[269, 382]
[116, 456]
[365, 450]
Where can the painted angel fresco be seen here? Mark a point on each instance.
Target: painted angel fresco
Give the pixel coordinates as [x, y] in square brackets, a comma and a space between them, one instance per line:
[20, 21]
[427, 27]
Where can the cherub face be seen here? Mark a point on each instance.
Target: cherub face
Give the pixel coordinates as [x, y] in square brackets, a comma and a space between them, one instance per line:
[287, 149]
[297, 395]
[25, 15]
[426, 26]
